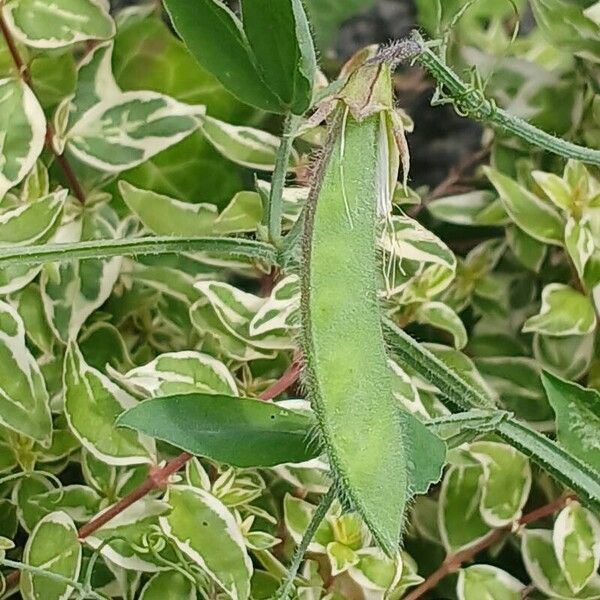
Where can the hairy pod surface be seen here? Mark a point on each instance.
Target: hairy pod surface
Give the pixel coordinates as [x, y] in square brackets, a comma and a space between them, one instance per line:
[347, 375]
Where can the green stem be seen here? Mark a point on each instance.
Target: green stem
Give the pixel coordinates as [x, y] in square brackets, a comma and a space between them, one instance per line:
[471, 102]
[275, 207]
[564, 467]
[54, 576]
[288, 583]
[238, 248]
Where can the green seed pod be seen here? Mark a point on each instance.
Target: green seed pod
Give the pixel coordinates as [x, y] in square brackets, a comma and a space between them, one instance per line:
[347, 374]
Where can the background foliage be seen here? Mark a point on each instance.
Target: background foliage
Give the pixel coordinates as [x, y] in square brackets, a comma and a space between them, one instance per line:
[110, 128]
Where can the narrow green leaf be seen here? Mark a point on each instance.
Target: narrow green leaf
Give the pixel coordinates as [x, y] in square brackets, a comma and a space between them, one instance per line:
[279, 35]
[207, 27]
[238, 431]
[577, 418]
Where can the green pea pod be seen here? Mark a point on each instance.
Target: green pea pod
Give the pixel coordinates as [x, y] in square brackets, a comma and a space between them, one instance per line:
[347, 374]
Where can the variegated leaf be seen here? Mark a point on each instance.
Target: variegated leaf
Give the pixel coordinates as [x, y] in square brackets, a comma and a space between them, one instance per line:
[576, 539]
[120, 133]
[564, 312]
[52, 546]
[24, 401]
[22, 132]
[73, 290]
[180, 373]
[49, 24]
[168, 585]
[484, 581]
[92, 405]
[204, 530]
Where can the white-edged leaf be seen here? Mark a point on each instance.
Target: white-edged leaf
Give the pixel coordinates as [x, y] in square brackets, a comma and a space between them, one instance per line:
[52, 546]
[297, 514]
[556, 188]
[48, 24]
[168, 585]
[528, 251]
[506, 482]
[579, 242]
[484, 581]
[92, 405]
[576, 539]
[23, 130]
[564, 312]
[204, 529]
[80, 502]
[532, 214]
[122, 132]
[545, 571]
[73, 290]
[163, 215]
[471, 208]
[376, 573]
[460, 522]
[181, 372]
[441, 316]
[24, 400]
[244, 146]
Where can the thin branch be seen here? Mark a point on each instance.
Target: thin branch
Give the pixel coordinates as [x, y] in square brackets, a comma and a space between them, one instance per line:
[159, 477]
[286, 587]
[454, 562]
[25, 75]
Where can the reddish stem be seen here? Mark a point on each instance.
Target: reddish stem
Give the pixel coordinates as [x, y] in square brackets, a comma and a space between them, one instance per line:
[25, 75]
[454, 562]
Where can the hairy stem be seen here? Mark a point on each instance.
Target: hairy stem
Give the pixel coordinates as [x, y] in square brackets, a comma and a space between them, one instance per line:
[25, 75]
[224, 246]
[288, 583]
[275, 208]
[454, 562]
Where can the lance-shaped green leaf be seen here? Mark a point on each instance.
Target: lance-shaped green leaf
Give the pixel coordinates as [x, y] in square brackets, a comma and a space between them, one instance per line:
[245, 146]
[183, 372]
[204, 529]
[168, 585]
[564, 312]
[24, 401]
[545, 571]
[485, 581]
[506, 484]
[71, 291]
[532, 214]
[92, 405]
[49, 25]
[209, 26]
[280, 38]
[121, 132]
[577, 418]
[576, 539]
[53, 547]
[238, 431]
[167, 216]
[23, 127]
[460, 521]
[122, 535]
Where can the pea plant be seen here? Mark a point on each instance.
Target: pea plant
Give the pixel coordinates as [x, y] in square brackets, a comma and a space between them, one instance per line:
[244, 354]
